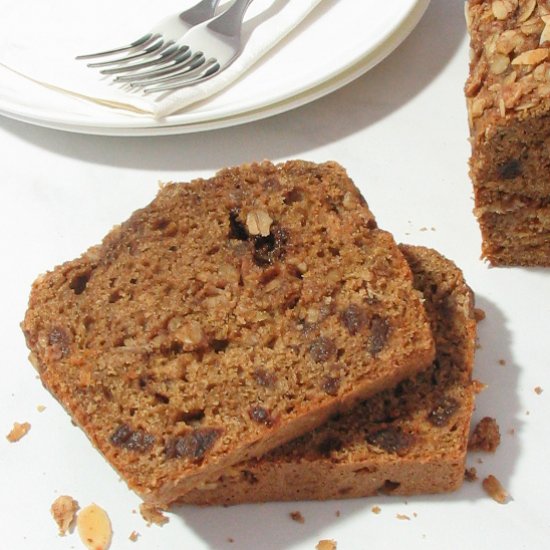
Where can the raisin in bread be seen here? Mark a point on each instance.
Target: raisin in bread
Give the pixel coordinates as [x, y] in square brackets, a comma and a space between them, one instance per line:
[224, 319]
[508, 98]
[407, 440]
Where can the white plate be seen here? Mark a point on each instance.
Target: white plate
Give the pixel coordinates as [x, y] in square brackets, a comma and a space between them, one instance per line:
[340, 40]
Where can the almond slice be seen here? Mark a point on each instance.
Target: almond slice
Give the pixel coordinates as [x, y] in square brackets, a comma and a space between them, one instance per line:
[94, 527]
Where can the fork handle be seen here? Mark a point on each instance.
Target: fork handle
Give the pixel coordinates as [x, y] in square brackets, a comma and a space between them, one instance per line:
[200, 12]
[230, 21]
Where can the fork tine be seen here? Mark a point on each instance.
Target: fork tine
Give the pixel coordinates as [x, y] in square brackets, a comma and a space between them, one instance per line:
[179, 62]
[155, 48]
[142, 42]
[197, 62]
[166, 55]
[182, 80]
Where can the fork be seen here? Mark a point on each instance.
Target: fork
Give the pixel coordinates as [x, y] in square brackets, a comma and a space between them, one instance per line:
[161, 38]
[219, 37]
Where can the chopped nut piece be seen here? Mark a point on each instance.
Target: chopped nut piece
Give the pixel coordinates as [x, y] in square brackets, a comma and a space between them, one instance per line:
[94, 527]
[258, 222]
[326, 545]
[545, 35]
[486, 436]
[495, 490]
[376, 509]
[499, 63]
[63, 510]
[526, 9]
[297, 517]
[134, 535]
[538, 390]
[531, 57]
[18, 431]
[152, 514]
[501, 8]
[40, 408]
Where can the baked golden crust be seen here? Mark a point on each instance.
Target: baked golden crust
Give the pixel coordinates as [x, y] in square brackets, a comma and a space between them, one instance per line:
[508, 99]
[224, 319]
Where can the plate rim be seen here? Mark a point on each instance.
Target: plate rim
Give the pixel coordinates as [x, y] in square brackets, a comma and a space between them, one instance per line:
[170, 126]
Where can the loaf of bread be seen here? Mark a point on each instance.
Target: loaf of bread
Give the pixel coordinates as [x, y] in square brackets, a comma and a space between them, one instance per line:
[508, 98]
[224, 319]
[406, 440]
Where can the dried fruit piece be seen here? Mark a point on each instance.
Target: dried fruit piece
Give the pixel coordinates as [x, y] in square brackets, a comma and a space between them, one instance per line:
[354, 318]
[264, 378]
[391, 440]
[494, 489]
[380, 330]
[322, 349]
[193, 444]
[270, 248]
[443, 411]
[330, 385]
[329, 444]
[261, 415]
[18, 431]
[59, 342]
[94, 527]
[63, 510]
[133, 440]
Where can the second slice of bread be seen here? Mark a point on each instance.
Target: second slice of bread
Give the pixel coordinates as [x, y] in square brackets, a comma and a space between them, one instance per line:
[407, 440]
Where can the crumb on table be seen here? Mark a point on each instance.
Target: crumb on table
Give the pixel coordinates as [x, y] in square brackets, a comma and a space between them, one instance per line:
[63, 510]
[402, 516]
[376, 509]
[297, 516]
[479, 314]
[538, 390]
[18, 431]
[326, 545]
[152, 514]
[134, 535]
[494, 489]
[470, 474]
[486, 436]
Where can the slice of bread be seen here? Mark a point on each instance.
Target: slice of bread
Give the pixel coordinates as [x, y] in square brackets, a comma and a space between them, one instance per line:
[408, 440]
[224, 319]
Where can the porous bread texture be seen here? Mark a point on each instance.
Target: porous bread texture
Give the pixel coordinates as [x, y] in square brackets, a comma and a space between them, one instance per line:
[407, 440]
[227, 317]
[508, 98]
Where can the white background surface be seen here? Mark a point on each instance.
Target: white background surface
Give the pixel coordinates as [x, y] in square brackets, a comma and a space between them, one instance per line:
[401, 132]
